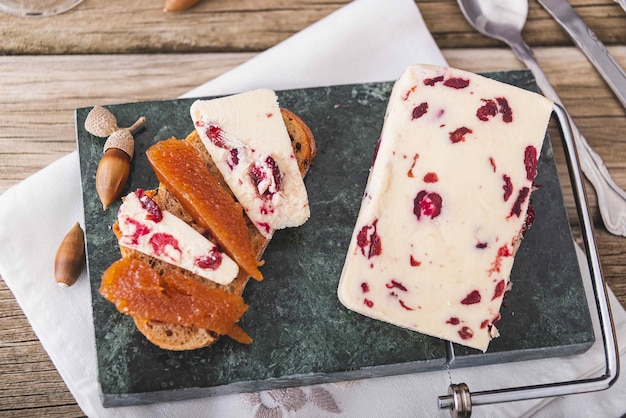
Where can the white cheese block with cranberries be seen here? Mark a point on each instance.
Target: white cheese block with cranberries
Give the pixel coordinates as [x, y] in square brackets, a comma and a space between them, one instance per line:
[446, 204]
[162, 235]
[248, 141]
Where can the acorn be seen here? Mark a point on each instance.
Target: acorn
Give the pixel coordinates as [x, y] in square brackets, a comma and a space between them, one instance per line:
[114, 166]
[70, 258]
[177, 5]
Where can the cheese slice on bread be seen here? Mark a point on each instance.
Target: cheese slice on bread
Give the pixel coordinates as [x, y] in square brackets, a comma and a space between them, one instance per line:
[178, 337]
[249, 143]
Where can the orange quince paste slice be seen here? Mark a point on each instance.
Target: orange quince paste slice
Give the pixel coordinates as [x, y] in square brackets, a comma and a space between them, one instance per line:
[138, 290]
[180, 168]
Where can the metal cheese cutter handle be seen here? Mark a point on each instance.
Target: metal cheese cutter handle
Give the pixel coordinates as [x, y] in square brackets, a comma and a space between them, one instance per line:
[459, 399]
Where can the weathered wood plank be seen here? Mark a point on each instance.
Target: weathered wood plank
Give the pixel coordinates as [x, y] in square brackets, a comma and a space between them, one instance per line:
[48, 118]
[137, 26]
[30, 384]
[139, 77]
[37, 110]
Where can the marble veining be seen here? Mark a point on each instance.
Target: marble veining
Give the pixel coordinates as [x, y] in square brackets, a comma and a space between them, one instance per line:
[302, 334]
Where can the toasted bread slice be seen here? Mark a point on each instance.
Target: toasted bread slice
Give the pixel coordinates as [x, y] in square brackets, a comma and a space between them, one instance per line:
[177, 337]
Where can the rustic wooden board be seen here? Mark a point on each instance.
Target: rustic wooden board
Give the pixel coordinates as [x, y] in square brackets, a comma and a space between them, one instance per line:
[140, 26]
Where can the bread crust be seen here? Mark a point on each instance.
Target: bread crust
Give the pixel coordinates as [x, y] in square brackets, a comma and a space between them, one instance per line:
[177, 337]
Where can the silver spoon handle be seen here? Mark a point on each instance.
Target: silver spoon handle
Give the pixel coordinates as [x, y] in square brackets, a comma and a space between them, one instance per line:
[611, 198]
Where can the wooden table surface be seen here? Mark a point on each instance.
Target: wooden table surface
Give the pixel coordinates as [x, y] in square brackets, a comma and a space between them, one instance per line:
[129, 50]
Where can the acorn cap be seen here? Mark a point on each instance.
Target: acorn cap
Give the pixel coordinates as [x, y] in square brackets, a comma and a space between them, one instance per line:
[123, 140]
[100, 122]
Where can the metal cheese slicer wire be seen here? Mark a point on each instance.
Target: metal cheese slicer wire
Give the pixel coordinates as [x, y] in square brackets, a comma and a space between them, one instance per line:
[504, 20]
[459, 399]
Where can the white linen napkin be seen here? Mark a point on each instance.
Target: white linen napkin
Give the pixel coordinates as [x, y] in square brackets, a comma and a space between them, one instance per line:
[367, 40]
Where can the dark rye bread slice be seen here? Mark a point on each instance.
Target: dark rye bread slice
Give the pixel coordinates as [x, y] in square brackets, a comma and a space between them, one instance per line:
[178, 337]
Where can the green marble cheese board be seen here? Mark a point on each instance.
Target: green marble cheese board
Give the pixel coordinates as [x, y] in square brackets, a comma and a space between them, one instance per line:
[302, 334]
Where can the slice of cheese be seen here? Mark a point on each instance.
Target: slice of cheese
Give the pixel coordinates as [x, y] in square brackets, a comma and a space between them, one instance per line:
[248, 141]
[445, 204]
[162, 235]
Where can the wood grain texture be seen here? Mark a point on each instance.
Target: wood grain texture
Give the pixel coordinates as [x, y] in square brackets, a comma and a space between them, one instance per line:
[140, 26]
[128, 50]
[36, 126]
[36, 134]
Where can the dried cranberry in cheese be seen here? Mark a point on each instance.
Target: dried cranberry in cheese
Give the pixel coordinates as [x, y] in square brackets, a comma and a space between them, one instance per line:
[248, 141]
[445, 204]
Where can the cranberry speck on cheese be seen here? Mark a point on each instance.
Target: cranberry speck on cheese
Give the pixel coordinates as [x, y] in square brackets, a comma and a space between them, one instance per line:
[446, 204]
